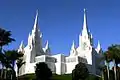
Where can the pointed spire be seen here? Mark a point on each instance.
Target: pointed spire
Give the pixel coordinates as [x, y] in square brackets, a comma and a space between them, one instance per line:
[85, 20]
[36, 21]
[29, 39]
[73, 45]
[85, 28]
[36, 30]
[21, 47]
[91, 36]
[47, 45]
[98, 47]
[73, 50]
[89, 30]
[47, 48]
[41, 35]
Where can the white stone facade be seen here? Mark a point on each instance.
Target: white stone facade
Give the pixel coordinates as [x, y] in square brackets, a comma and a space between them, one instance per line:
[60, 64]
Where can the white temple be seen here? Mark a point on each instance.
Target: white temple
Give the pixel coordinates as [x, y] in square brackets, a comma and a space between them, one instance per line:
[60, 64]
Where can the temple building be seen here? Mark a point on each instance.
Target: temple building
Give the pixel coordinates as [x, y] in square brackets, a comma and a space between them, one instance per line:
[85, 52]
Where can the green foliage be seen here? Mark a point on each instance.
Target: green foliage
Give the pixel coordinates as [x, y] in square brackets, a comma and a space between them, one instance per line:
[113, 52]
[5, 38]
[7, 58]
[80, 72]
[42, 71]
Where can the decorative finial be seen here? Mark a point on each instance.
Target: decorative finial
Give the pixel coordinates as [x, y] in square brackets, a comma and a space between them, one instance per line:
[84, 9]
[21, 47]
[98, 47]
[89, 30]
[37, 12]
[73, 45]
[91, 36]
[47, 45]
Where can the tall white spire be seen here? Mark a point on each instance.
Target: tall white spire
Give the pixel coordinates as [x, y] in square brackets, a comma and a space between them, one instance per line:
[36, 38]
[85, 28]
[36, 21]
[36, 30]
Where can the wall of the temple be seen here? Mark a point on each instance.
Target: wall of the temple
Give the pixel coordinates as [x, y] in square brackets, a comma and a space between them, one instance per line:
[58, 64]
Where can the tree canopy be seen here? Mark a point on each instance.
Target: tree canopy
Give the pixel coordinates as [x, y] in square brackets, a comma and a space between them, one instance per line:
[80, 72]
[42, 71]
[5, 37]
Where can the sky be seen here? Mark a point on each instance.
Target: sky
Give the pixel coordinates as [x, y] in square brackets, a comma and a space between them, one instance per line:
[60, 21]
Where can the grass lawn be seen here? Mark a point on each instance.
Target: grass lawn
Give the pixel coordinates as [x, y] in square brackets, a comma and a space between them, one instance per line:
[56, 77]
[62, 77]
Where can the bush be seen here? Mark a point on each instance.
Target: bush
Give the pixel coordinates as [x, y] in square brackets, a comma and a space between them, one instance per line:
[80, 72]
[42, 71]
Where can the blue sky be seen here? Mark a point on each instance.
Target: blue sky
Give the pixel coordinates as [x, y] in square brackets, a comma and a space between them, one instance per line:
[61, 21]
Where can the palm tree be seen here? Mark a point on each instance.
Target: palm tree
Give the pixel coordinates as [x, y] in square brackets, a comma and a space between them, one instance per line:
[5, 39]
[3, 61]
[113, 54]
[107, 61]
[12, 56]
[6, 63]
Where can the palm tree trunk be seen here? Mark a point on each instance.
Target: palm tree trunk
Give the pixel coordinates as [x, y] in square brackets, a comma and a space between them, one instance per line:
[17, 73]
[5, 74]
[10, 76]
[2, 71]
[108, 74]
[114, 69]
[0, 49]
[2, 64]
[102, 75]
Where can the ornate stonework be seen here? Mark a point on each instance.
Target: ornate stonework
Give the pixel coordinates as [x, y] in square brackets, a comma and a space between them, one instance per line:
[60, 64]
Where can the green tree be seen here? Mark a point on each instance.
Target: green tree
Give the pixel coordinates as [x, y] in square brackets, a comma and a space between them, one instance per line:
[42, 71]
[113, 54]
[5, 39]
[107, 61]
[12, 56]
[80, 72]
